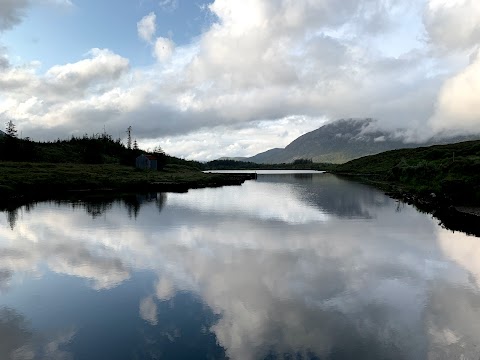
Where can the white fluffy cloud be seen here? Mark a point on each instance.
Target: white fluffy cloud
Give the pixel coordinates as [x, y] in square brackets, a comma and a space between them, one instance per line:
[147, 27]
[164, 49]
[102, 65]
[459, 101]
[453, 24]
[65, 93]
[454, 27]
[262, 61]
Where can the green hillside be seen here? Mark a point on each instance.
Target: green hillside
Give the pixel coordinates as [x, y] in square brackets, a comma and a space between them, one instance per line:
[449, 170]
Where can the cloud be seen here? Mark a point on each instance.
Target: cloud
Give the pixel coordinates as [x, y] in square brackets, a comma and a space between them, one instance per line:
[458, 106]
[453, 29]
[239, 140]
[164, 49]
[463, 250]
[453, 24]
[58, 3]
[168, 5]
[261, 61]
[164, 289]
[286, 207]
[101, 66]
[274, 285]
[21, 341]
[149, 311]
[147, 27]
[64, 93]
[11, 13]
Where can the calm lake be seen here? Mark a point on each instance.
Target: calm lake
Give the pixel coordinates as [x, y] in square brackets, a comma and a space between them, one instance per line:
[290, 266]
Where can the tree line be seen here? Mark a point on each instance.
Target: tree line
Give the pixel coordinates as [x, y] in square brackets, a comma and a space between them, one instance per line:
[86, 149]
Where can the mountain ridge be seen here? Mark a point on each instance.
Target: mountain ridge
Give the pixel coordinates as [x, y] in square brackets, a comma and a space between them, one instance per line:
[344, 140]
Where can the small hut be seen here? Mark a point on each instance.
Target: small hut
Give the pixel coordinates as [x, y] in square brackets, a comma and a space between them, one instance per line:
[146, 162]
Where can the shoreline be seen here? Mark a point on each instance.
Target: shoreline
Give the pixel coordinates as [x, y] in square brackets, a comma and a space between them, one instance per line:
[456, 217]
[21, 183]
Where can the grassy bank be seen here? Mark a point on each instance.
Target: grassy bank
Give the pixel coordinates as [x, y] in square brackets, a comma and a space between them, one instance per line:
[450, 171]
[45, 179]
[443, 180]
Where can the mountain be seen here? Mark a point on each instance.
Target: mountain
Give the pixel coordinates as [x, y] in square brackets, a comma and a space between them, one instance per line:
[344, 140]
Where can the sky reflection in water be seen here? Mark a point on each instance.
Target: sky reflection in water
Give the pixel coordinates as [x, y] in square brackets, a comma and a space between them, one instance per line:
[306, 265]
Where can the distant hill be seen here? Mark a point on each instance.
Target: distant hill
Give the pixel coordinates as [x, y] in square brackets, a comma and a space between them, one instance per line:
[238, 158]
[344, 140]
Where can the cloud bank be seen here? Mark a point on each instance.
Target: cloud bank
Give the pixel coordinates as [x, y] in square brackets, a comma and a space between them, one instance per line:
[262, 62]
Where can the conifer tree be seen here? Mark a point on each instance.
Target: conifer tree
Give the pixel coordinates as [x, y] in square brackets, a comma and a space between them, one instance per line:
[11, 129]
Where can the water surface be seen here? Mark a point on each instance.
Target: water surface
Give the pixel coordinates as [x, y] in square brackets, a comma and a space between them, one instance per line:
[287, 266]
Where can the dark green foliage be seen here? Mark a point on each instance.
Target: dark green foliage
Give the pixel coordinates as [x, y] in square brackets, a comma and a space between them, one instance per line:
[243, 165]
[452, 170]
[171, 160]
[95, 149]
[303, 161]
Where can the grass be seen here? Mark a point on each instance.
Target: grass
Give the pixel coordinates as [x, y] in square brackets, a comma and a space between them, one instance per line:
[30, 178]
[450, 170]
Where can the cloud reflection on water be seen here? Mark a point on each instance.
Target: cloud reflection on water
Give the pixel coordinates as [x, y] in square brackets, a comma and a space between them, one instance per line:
[357, 278]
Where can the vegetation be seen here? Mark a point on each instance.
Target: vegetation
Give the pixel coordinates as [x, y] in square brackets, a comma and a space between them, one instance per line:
[49, 177]
[94, 149]
[100, 162]
[37, 169]
[450, 170]
[300, 164]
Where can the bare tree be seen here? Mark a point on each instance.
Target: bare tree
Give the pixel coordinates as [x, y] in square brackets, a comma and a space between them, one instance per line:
[129, 137]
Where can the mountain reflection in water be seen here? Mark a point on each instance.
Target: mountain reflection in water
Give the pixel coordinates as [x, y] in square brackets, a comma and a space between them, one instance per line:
[288, 266]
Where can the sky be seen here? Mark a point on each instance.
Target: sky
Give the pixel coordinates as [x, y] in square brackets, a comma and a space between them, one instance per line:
[206, 79]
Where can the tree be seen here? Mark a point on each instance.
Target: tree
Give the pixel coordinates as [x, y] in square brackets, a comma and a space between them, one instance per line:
[158, 150]
[135, 145]
[161, 157]
[11, 129]
[129, 137]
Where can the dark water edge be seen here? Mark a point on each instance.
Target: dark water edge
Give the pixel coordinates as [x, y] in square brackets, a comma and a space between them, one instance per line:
[440, 207]
[13, 201]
